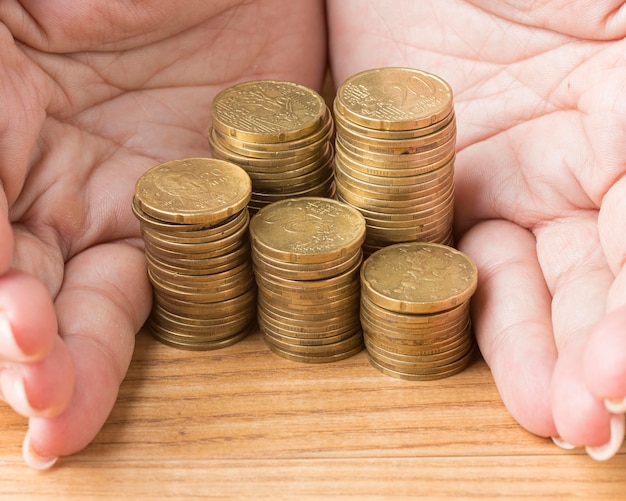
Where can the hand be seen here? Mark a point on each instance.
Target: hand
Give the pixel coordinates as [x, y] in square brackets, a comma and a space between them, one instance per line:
[93, 95]
[541, 191]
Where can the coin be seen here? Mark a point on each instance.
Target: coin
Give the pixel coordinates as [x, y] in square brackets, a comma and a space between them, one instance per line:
[194, 190]
[307, 230]
[394, 154]
[394, 99]
[307, 254]
[419, 277]
[194, 223]
[414, 309]
[280, 133]
[267, 111]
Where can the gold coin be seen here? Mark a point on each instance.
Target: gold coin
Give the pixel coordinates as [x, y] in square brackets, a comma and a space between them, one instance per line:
[418, 277]
[276, 268]
[148, 221]
[373, 189]
[261, 149]
[421, 345]
[220, 264]
[372, 177]
[423, 144]
[317, 341]
[398, 167]
[300, 184]
[420, 158]
[204, 248]
[286, 155]
[308, 295]
[394, 99]
[453, 369]
[349, 309]
[395, 322]
[307, 328]
[411, 333]
[422, 361]
[193, 190]
[323, 350]
[346, 307]
[217, 232]
[313, 359]
[192, 307]
[417, 346]
[166, 338]
[287, 151]
[269, 177]
[311, 332]
[343, 124]
[267, 111]
[309, 267]
[206, 294]
[363, 199]
[205, 265]
[307, 230]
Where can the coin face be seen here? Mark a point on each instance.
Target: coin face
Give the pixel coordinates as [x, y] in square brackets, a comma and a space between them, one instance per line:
[394, 99]
[267, 111]
[307, 229]
[193, 190]
[418, 277]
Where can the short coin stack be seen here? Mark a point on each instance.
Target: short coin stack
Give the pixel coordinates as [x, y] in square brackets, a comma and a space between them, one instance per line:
[279, 132]
[415, 310]
[194, 223]
[395, 151]
[307, 254]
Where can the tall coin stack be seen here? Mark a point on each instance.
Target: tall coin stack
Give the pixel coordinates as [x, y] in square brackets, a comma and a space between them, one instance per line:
[415, 310]
[279, 132]
[194, 223]
[395, 151]
[307, 254]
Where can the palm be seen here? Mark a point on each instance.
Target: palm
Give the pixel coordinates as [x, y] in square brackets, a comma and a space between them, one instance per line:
[132, 91]
[541, 120]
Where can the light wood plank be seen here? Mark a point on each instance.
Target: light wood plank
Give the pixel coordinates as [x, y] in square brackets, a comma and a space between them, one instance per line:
[244, 423]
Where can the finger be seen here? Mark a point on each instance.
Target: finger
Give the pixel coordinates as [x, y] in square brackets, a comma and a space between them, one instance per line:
[579, 278]
[6, 234]
[511, 315]
[28, 326]
[604, 360]
[103, 302]
[42, 388]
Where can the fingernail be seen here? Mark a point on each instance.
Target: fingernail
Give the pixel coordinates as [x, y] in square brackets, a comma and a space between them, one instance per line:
[14, 392]
[615, 406]
[608, 450]
[8, 345]
[562, 443]
[32, 458]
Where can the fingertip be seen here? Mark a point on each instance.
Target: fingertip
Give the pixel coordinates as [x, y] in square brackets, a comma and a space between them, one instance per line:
[28, 326]
[608, 450]
[580, 418]
[604, 360]
[34, 458]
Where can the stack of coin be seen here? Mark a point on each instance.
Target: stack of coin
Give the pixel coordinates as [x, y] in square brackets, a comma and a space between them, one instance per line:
[280, 133]
[307, 255]
[395, 151]
[415, 310]
[194, 223]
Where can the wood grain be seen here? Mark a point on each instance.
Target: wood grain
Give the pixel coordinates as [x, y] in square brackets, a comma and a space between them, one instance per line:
[243, 423]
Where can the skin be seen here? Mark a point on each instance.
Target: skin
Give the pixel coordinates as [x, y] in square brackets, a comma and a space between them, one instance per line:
[96, 93]
[540, 202]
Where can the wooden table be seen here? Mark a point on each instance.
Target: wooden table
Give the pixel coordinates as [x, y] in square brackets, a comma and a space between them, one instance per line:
[243, 423]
